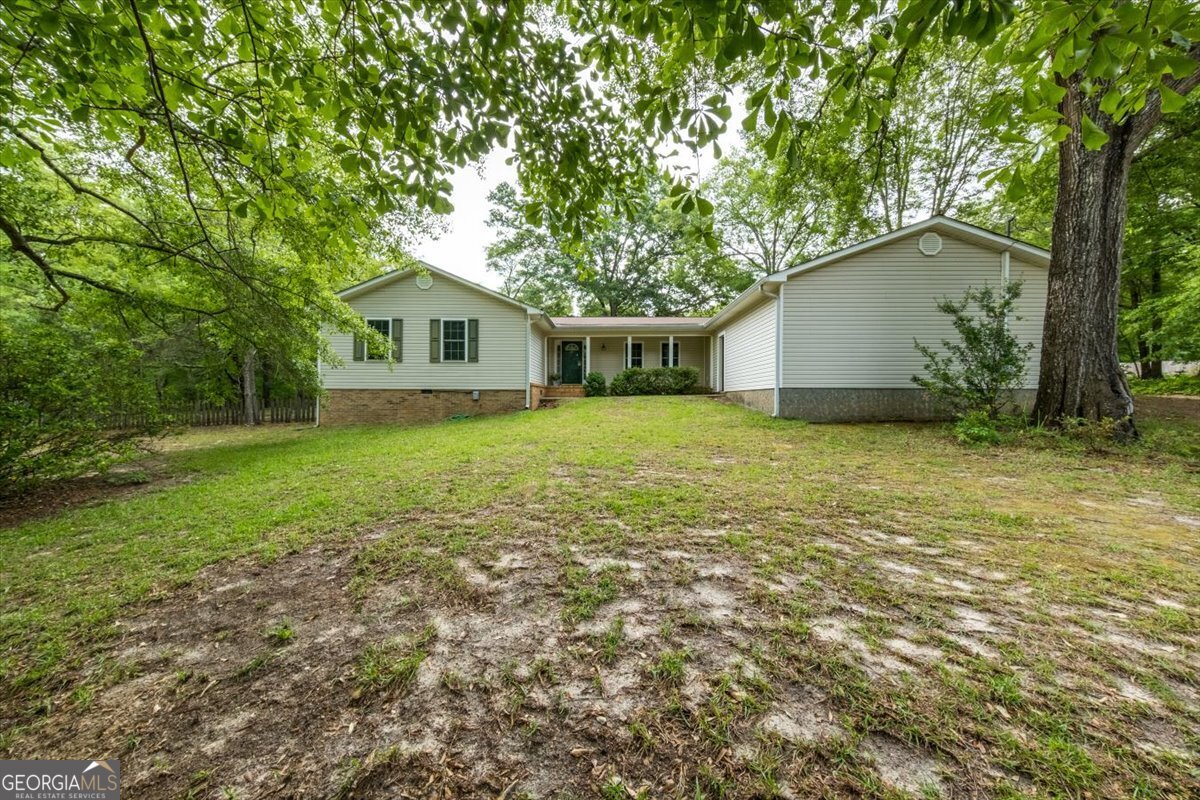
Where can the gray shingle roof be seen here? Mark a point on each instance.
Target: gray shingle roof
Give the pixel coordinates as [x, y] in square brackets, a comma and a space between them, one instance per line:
[627, 322]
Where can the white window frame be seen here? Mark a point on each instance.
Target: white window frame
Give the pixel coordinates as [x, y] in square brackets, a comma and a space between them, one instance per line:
[367, 345]
[673, 356]
[466, 343]
[629, 355]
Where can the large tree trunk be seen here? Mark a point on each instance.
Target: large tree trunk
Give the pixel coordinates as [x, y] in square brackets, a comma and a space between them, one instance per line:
[1081, 376]
[249, 387]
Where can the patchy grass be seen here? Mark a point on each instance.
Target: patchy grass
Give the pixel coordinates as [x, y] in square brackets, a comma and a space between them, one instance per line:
[393, 664]
[660, 597]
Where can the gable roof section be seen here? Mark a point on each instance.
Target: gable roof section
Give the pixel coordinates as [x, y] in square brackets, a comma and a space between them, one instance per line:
[380, 281]
[937, 224]
[961, 230]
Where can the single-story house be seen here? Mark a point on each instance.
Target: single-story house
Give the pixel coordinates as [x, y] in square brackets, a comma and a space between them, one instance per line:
[827, 340]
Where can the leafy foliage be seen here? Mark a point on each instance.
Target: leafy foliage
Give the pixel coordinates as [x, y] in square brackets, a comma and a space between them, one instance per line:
[1172, 384]
[595, 385]
[977, 427]
[977, 374]
[56, 384]
[771, 214]
[649, 262]
[658, 380]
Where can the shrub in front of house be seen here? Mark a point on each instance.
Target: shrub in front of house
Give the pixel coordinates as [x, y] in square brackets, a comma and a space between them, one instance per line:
[594, 385]
[977, 375]
[659, 380]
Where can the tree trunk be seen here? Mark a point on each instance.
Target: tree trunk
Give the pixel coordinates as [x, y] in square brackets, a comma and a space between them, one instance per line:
[1081, 376]
[249, 380]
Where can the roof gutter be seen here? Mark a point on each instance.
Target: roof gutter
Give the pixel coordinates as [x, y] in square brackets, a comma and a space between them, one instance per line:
[768, 285]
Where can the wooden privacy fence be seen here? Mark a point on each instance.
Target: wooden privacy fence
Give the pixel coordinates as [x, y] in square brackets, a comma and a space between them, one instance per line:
[296, 409]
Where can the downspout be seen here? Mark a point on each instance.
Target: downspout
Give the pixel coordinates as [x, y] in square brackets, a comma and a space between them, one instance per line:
[320, 388]
[1005, 272]
[528, 356]
[778, 348]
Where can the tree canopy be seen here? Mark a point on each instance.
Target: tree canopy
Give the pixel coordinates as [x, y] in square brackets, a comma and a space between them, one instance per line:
[205, 175]
[641, 260]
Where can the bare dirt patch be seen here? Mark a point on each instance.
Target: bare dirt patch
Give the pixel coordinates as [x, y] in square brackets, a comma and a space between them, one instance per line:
[865, 611]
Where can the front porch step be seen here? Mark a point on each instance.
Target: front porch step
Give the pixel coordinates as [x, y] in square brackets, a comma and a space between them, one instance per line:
[566, 390]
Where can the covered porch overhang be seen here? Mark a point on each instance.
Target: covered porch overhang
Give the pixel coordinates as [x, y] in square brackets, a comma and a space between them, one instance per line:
[571, 355]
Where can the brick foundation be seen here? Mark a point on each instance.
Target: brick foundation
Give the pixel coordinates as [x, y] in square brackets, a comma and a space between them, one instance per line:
[565, 390]
[536, 392]
[759, 399]
[355, 406]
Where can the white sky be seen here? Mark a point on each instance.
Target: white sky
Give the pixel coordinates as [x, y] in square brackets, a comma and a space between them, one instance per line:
[462, 248]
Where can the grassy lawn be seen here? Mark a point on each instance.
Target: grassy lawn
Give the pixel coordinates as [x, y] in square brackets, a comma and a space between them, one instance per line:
[618, 598]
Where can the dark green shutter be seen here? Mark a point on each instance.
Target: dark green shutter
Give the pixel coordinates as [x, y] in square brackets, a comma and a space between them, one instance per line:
[360, 349]
[435, 341]
[397, 340]
[473, 340]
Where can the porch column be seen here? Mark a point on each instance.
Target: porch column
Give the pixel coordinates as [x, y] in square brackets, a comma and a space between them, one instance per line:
[587, 355]
[629, 352]
[671, 351]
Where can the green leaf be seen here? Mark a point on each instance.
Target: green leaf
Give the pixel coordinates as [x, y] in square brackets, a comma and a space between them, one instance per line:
[1093, 137]
[1016, 188]
[884, 72]
[1172, 101]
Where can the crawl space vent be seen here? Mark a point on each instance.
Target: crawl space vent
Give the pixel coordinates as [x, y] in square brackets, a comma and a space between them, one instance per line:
[930, 244]
[425, 280]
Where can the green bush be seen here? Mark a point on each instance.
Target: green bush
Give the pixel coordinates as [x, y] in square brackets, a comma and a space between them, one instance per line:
[594, 385]
[659, 380]
[979, 373]
[1171, 384]
[58, 382]
[977, 427]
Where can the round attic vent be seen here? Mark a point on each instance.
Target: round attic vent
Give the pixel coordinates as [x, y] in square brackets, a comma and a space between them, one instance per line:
[424, 280]
[930, 244]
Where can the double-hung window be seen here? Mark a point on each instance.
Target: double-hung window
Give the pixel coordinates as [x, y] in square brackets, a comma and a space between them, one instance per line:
[454, 340]
[634, 353]
[670, 359]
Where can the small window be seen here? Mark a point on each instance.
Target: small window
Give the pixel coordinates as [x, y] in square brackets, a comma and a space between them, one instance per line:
[635, 354]
[454, 340]
[673, 359]
[374, 351]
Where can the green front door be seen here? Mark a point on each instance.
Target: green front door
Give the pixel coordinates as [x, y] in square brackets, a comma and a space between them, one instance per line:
[572, 362]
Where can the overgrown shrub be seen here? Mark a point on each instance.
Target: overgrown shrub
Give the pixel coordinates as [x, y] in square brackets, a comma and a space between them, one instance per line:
[979, 373]
[659, 380]
[977, 428]
[57, 384]
[594, 385]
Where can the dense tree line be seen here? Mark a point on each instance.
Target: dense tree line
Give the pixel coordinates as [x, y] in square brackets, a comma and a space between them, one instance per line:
[202, 176]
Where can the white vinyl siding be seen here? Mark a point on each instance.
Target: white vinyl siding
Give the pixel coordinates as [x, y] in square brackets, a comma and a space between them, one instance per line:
[503, 340]
[851, 324]
[537, 356]
[750, 349]
[1031, 310]
[608, 355]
